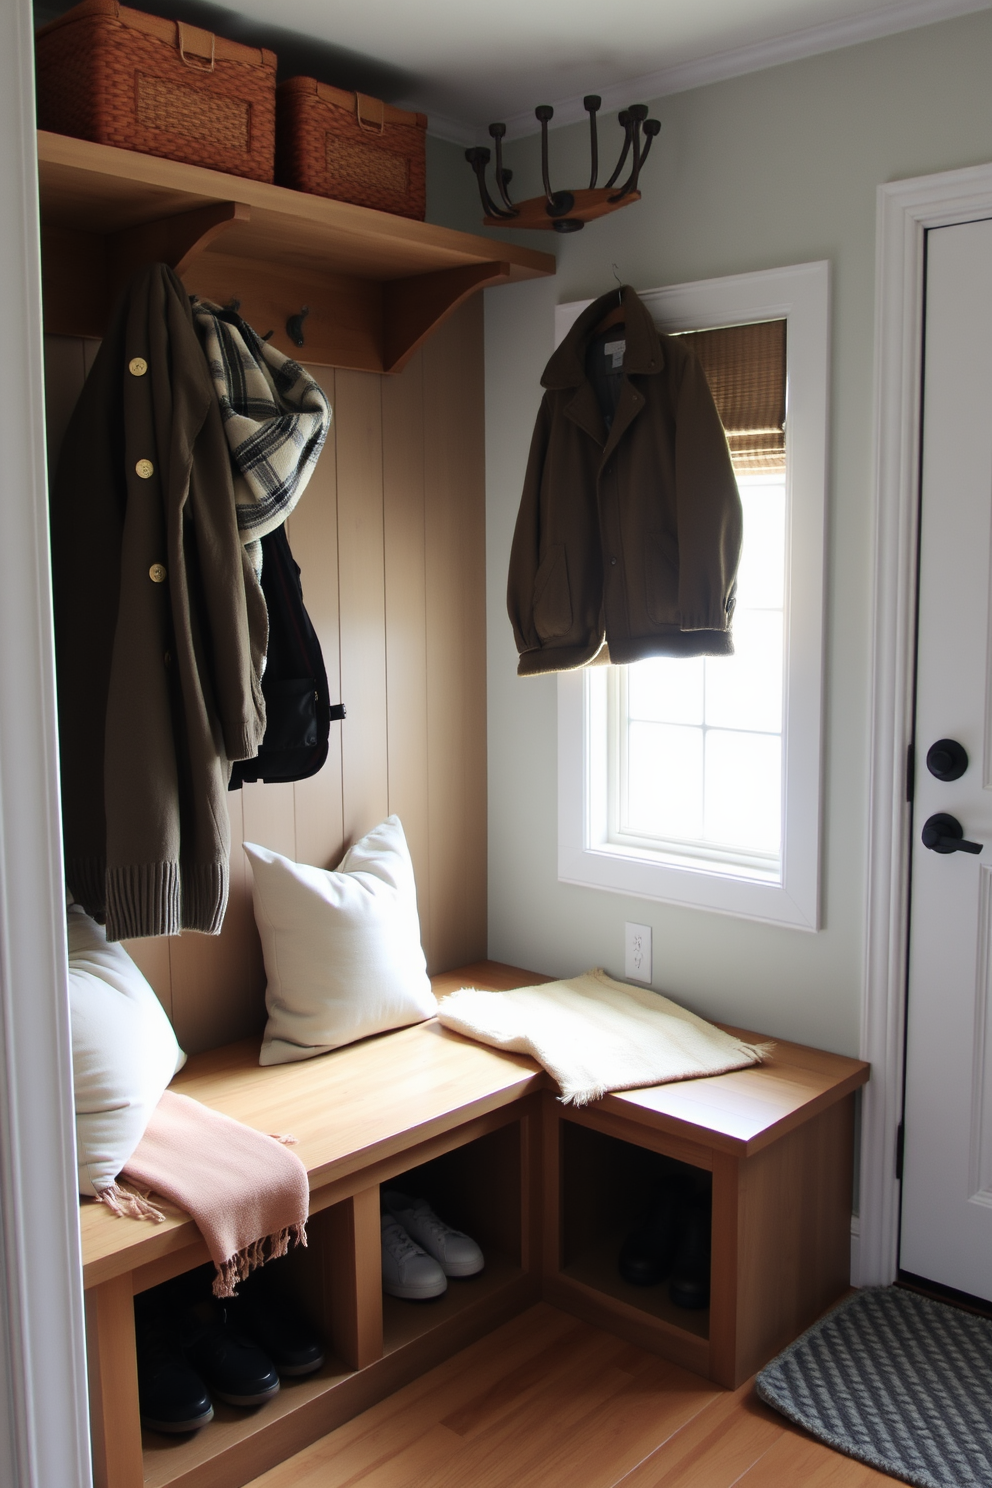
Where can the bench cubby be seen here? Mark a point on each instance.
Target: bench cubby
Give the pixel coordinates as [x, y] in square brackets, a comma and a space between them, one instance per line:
[778, 1142]
[605, 1185]
[546, 1189]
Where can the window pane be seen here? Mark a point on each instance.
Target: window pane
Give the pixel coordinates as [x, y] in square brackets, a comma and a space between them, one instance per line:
[743, 790]
[761, 577]
[744, 691]
[664, 781]
[666, 690]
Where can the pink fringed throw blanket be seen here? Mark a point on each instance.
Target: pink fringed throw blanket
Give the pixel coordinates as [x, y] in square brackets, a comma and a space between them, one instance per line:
[247, 1193]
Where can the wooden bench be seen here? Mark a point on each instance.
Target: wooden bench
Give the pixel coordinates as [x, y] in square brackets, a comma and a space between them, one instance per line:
[547, 1189]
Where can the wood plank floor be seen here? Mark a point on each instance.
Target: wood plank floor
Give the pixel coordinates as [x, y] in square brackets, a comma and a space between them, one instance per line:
[549, 1402]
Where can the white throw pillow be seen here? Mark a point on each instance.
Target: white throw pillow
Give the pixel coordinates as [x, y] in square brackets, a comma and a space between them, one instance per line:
[342, 949]
[124, 1052]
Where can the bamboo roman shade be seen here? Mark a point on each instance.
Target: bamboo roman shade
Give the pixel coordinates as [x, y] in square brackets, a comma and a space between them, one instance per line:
[745, 368]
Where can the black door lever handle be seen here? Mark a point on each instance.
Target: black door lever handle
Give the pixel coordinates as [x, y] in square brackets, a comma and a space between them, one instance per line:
[945, 834]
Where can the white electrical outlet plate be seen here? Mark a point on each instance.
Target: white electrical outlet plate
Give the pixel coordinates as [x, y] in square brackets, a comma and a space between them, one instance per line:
[637, 952]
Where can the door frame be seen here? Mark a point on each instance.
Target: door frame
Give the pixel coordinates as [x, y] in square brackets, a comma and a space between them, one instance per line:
[44, 1427]
[905, 212]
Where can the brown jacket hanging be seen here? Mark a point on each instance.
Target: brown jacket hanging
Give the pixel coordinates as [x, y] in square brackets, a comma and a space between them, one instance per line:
[629, 531]
[160, 626]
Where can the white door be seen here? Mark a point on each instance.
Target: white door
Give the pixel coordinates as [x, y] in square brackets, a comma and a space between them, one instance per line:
[947, 1164]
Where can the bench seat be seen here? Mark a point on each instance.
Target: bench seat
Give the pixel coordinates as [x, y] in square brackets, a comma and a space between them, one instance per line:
[547, 1182]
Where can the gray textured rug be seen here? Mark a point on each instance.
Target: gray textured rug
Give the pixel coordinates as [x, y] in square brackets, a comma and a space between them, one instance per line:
[897, 1381]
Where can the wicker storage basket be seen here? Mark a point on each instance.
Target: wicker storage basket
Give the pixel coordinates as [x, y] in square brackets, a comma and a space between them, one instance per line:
[351, 147]
[120, 77]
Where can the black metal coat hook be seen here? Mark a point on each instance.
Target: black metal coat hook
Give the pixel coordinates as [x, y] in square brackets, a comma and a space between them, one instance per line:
[294, 326]
[591, 103]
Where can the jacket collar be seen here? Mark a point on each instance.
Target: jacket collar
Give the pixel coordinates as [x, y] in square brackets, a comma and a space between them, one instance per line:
[567, 368]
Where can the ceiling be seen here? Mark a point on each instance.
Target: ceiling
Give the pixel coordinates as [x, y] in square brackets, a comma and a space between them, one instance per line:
[466, 64]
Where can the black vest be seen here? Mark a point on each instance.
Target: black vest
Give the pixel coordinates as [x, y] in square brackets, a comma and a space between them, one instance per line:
[297, 703]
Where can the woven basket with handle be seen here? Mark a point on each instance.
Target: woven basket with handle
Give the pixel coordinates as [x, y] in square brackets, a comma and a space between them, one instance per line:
[120, 77]
[351, 147]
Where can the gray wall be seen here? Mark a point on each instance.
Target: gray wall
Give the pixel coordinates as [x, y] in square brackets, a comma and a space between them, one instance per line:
[773, 168]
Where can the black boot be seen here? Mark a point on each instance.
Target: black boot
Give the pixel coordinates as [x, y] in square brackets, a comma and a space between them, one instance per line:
[648, 1252]
[690, 1283]
[264, 1315]
[235, 1368]
[171, 1395]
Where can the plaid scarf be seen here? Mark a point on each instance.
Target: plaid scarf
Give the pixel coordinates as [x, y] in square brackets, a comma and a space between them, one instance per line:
[275, 417]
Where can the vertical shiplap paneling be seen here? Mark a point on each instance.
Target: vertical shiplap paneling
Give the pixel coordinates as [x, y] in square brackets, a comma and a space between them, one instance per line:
[313, 536]
[270, 816]
[153, 960]
[217, 982]
[365, 790]
[66, 366]
[454, 447]
[406, 620]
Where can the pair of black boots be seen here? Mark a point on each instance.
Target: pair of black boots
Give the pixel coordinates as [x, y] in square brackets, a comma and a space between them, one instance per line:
[193, 1349]
[671, 1240]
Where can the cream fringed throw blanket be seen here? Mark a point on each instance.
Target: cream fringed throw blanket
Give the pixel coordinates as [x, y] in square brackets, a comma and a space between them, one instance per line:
[595, 1035]
[247, 1193]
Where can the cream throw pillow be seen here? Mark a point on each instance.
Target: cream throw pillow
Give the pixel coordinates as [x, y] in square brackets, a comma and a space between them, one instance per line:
[124, 1052]
[342, 949]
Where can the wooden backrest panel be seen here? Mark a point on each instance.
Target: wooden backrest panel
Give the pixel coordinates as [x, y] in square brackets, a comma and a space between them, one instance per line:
[390, 537]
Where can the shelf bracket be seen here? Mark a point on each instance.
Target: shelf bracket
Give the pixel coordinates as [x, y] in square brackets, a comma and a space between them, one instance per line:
[412, 308]
[177, 241]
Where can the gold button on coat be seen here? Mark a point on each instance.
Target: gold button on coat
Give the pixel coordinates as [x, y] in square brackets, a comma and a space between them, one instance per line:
[137, 366]
[145, 469]
[157, 573]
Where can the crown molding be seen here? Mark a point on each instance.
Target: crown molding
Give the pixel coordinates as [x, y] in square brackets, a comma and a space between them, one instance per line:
[452, 130]
[719, 66]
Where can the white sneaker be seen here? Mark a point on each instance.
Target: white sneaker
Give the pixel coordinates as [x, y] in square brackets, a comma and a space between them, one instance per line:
[456, 1253]
[407, 1270]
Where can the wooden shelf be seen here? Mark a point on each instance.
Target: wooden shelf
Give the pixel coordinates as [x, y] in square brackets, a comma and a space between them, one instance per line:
[376, 284]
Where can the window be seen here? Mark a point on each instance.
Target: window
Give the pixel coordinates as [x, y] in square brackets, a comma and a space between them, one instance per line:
[696, 781]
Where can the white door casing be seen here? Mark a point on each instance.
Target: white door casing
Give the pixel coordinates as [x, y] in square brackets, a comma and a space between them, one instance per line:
[44, 1429]
[946, 1231]
[906, 210]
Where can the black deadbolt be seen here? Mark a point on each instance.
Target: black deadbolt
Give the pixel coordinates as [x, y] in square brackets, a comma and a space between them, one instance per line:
[945, 834]
[947, 759]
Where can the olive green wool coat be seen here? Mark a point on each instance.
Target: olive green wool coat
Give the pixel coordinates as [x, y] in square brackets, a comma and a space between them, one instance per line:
[160, 626]
[627, 540]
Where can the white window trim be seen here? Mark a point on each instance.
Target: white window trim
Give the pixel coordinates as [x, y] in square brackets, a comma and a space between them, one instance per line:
[801, 295]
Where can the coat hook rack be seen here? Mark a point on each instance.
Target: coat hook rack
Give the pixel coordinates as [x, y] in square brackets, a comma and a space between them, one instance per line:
[567, 211]
[294, 326]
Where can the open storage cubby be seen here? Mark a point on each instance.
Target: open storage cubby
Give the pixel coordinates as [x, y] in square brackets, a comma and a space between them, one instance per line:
[477, 1188]
[777, 1140]
[607, 1185]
